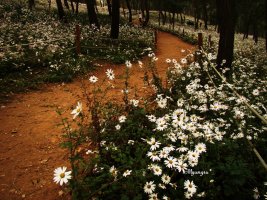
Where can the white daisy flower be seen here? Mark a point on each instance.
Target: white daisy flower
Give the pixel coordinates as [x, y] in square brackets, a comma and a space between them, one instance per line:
[149, 187]
[110, 74]
[256, 194]
[171, 162]
[190, 186]
[183, 61]
[168, 60]
[166, 179]
[153, 156]
[61, 175]
[153, 196]
[93, 79]
[140, 63]
[127, 173]
[151, 118]
[113, 171]
[128, 64]
[154, 144]
[256, 92]
[77, 110]
[156, 170]
[118, 127]
[134, 102]
[200, 148]
[131, 142]
[122, 119]
[162, 103]
[181, 166]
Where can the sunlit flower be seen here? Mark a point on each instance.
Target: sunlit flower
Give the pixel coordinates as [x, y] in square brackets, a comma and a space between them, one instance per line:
[168, 60]
[153, 196]
[193, 155]
[171, 162]
[154, 144]
[140, 63]
[128, 64]
[131, 142]
[122, 119]
[256, 194]
[256, 92]
[151, 118]
[163, 153]
[162, 103]
[181, 166]
[61, 176]
[166, 179]
[200, 147]
[118, 127]
[182, 149]
[190, 186]
[93, 79]
[110, 74]
[183, 61]
[156, 169]
[149, 187]
[127, 173]
[113, 171]
[77, 110]
[153, 156]
[166, 198]
[134, 102]
[162, 186]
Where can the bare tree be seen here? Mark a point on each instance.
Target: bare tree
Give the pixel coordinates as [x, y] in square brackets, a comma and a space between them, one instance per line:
[266, 25]
[130, 10]
[92, 13]
[115, 21]
[60, 9]
[109, 8]
[31, 4]
[226, 21]
[146, 8]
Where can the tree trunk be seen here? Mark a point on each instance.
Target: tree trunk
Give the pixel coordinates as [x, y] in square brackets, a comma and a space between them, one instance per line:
[61, 12]
[49, 5]
[130, 11]
[147, 13]
[173, 20]
[205, 14]
[266, 25]
[226, 25]
[159, 17]
[196, 13]
[164, 17]
[95, 4]
[245, 36]
[77, 7]
[31, 4]
[91, 13]
[142, 7]
[181, 16]
[109, 8]
[255, 33]
[115, 21]
[72, 6]
[66, 4]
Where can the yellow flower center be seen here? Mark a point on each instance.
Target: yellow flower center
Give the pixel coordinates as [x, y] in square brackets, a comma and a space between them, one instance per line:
[62, 175]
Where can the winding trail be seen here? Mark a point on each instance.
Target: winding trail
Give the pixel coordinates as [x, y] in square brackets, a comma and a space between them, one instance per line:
[30, 137]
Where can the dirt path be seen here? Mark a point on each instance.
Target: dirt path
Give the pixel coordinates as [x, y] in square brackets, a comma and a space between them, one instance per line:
[29, 136]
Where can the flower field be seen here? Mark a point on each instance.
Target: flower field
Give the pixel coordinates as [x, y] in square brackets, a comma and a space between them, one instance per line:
[196, 137]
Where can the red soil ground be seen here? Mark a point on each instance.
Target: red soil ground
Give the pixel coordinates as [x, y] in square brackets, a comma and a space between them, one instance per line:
[30, 137]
